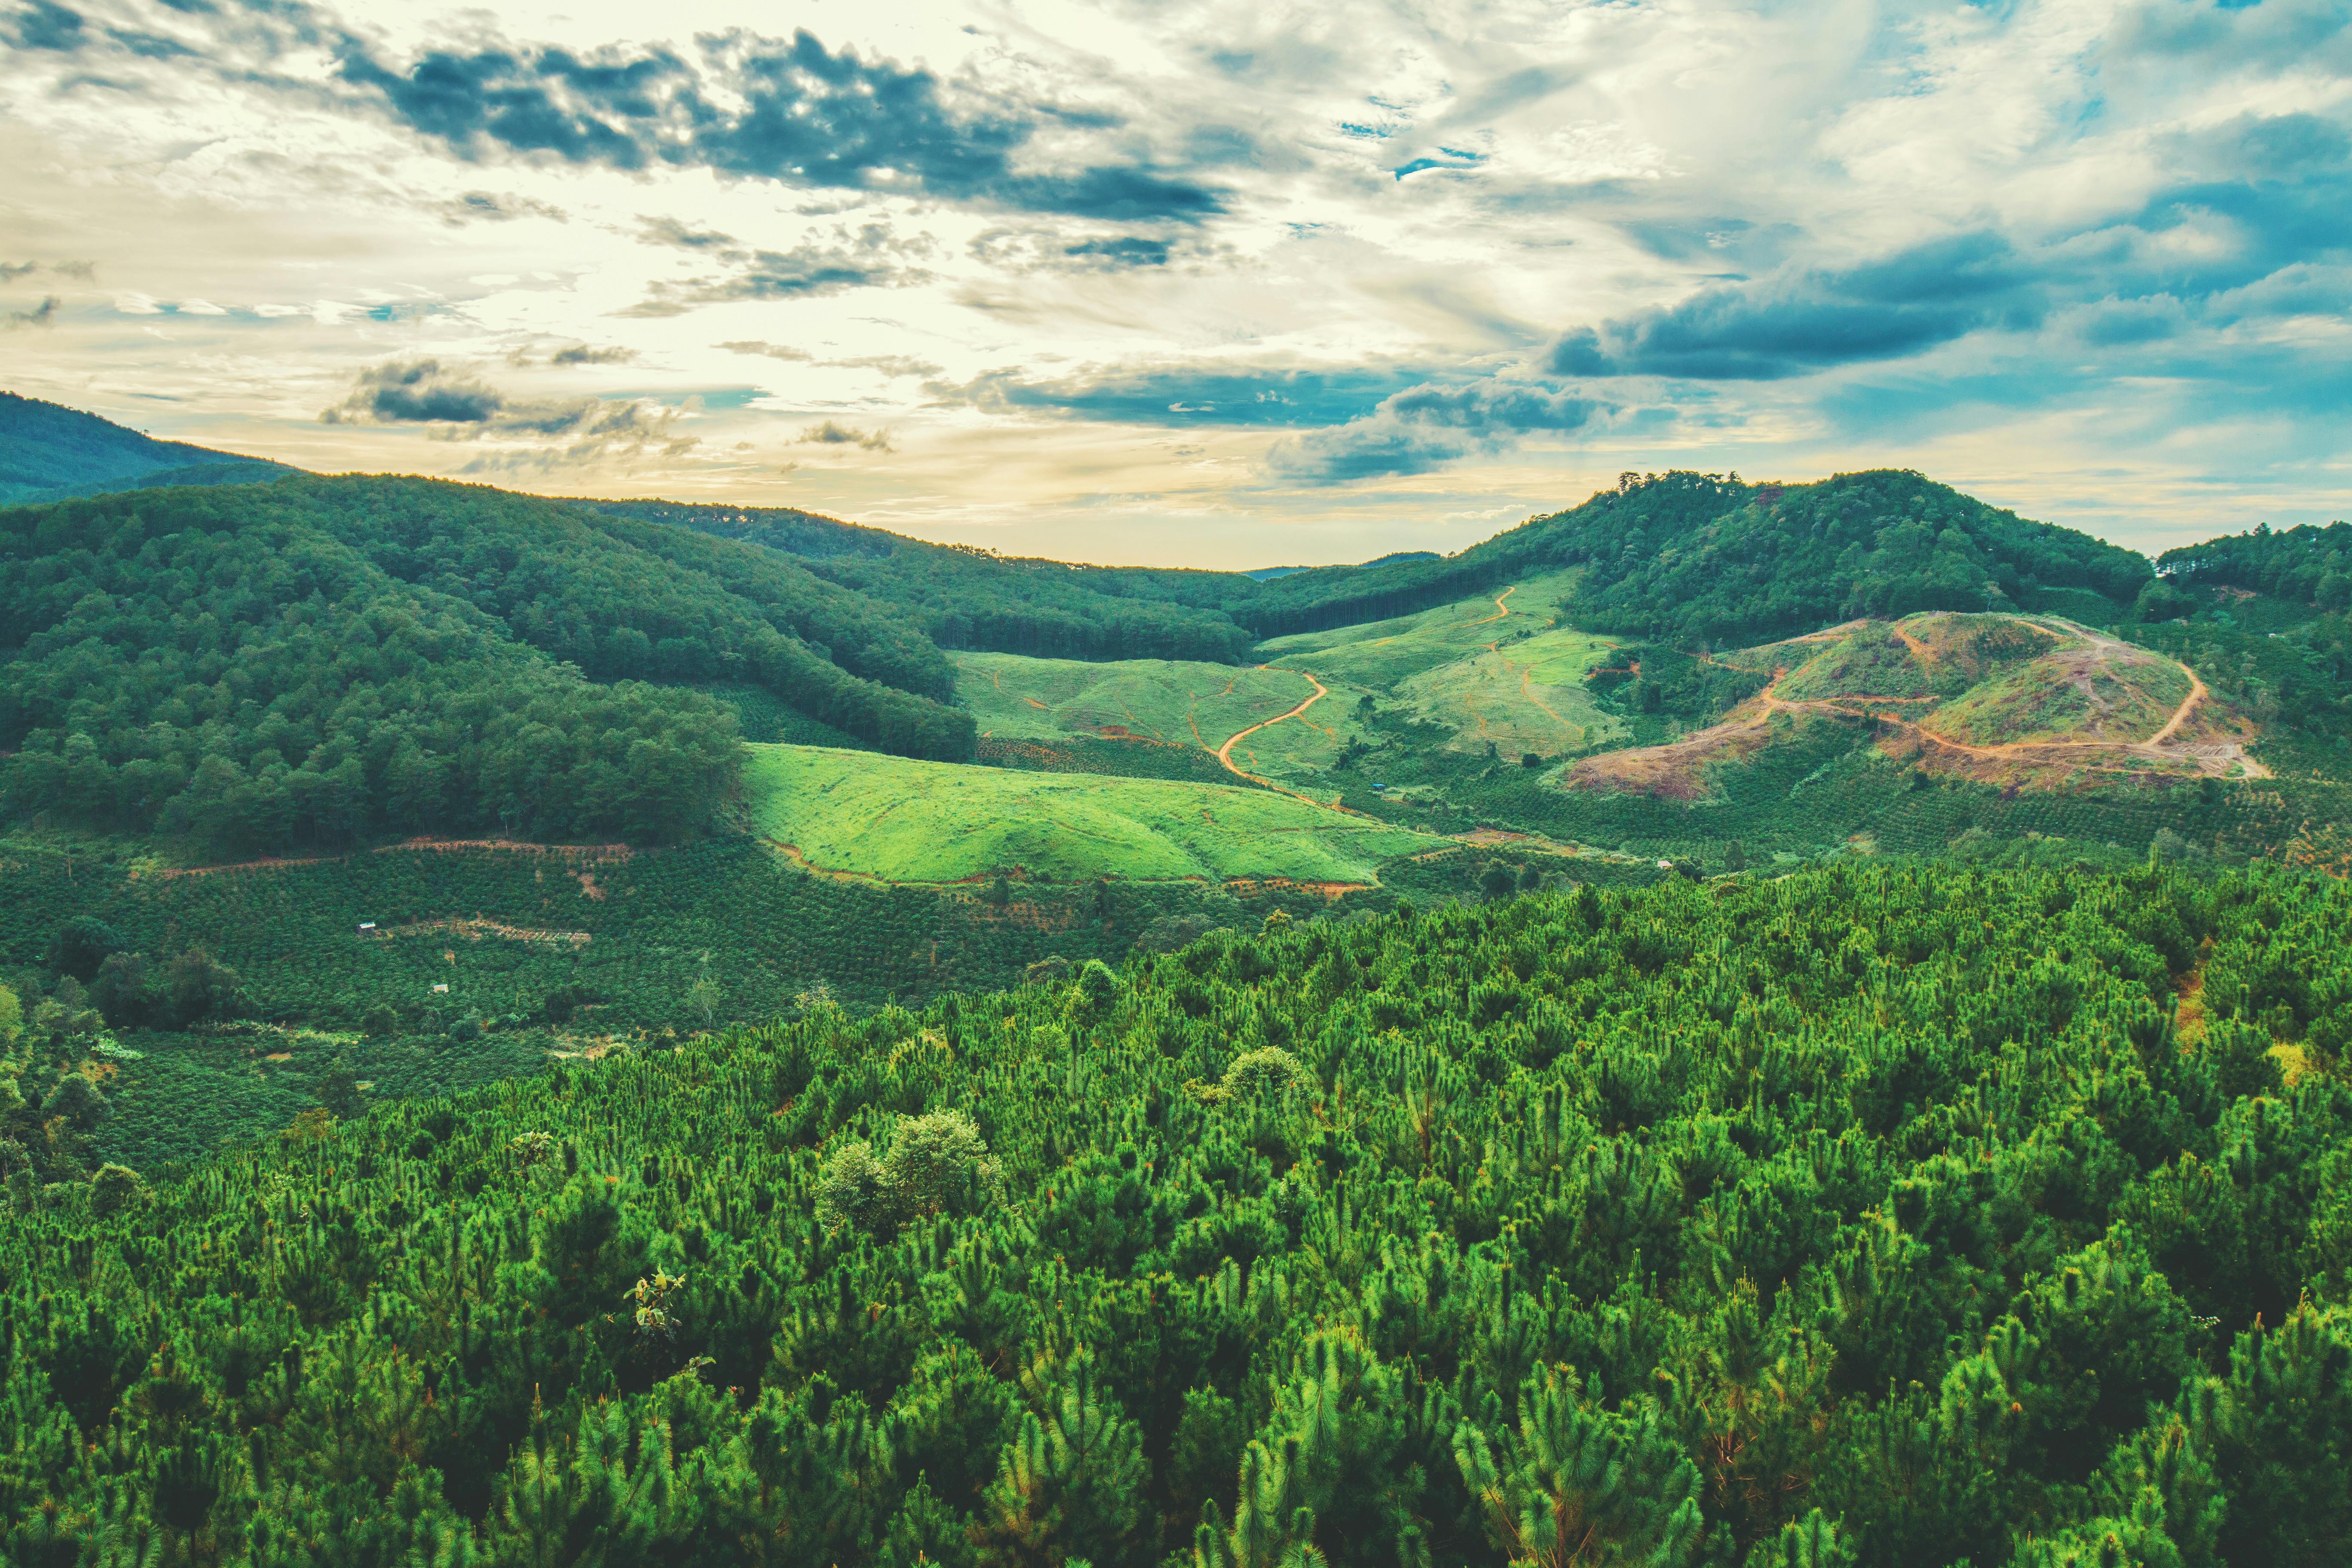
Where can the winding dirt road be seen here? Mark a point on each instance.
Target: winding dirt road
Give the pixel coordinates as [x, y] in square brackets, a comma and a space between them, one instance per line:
[1225, 752]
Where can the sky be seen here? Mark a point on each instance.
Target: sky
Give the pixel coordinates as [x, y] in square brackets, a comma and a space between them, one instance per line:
[1222, 284]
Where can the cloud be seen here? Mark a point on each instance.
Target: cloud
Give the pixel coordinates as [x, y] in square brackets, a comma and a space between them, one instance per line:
[1806, 319]
[11, 271]
[669, 231]
[416, 393]
[1126, 251]
[148, 46]
[454, 405]
[801, 274]
[887, 365]
[831, 435]
[1183, 394]
[41, 315]
[874, 257]
[481, 207]
[771, 351]
[581, 353]
[791, 112]
[44, 25]
[1427, 427]
[1051, 250]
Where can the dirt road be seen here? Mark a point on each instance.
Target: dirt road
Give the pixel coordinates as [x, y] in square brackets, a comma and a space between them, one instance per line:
[1225, 752]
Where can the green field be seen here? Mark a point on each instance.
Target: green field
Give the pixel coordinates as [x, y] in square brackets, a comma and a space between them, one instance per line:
[1496, 670]
[1168, 701]
[1519, 697]
[903, 821]
[1381, 654]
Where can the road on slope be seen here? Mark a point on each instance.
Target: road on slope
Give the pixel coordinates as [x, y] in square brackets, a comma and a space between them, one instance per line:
[1225, 752]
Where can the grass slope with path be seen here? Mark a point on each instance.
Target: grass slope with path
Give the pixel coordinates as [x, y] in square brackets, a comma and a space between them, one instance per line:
[1169, 702]
[893, 820]
[1496, 671]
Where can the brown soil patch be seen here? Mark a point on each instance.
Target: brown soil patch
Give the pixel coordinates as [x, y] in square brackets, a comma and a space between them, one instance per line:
[476, 929]
[1329, 891]
[2189, 1013]
[1678, 771]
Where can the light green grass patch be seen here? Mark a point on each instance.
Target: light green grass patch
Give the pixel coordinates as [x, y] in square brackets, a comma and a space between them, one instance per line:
[1171, 702]
[1519, 697]
[1379, 655]
[906, 821]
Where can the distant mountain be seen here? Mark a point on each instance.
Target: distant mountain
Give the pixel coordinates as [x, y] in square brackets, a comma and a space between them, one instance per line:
[48, 452]
[1268, 573]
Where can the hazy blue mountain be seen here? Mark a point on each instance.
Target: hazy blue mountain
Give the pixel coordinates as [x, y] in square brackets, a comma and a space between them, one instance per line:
[48, 452]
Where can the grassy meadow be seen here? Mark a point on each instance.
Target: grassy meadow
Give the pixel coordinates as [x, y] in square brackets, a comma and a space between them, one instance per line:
[902, 821]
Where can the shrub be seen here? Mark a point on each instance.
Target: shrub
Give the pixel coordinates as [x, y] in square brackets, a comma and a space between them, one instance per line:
[114, 1187]
[81, 945]
[935, 1163]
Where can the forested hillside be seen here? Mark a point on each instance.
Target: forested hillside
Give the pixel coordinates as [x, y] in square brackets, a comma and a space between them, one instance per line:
[2306, 565]
[1698, 558]
[966, 598]
[47, 448]
[1889, 1218]
[312, 662]
[1685, 557]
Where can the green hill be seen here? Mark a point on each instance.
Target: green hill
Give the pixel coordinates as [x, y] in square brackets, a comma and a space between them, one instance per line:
[318, 660]
[48, 450]
[1893, 1218]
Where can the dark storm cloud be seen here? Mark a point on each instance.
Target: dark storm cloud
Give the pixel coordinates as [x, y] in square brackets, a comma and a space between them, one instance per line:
[788, 111]
[149, 46]
[2251, 199]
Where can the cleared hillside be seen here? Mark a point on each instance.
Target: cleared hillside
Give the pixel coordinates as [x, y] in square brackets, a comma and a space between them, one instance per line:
[2034, 701]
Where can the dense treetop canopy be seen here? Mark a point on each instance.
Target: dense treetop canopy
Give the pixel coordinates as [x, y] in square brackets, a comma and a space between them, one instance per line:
[1890, 1217]
[2308, 566]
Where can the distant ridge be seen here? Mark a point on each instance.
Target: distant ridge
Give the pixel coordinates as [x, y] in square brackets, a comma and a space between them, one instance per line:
[1268, 573]
[48, 452]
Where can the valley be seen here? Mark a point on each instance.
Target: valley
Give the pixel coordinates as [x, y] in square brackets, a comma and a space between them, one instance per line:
[596, 773]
